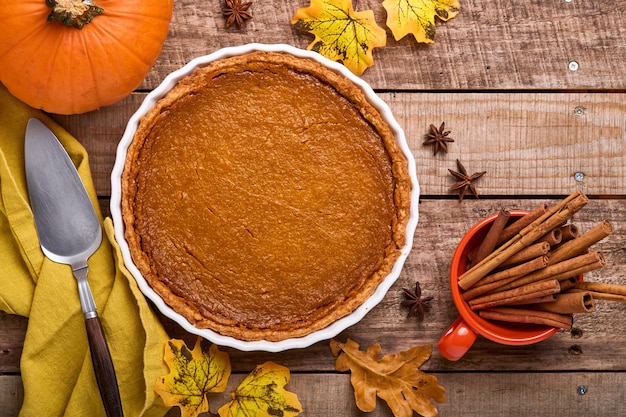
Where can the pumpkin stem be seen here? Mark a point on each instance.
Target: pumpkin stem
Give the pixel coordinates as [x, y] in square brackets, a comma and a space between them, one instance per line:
[75, 13]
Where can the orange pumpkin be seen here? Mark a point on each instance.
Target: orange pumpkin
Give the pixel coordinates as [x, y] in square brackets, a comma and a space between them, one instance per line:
[68, 70]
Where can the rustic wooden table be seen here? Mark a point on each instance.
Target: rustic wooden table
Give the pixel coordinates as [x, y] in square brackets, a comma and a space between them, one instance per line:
[535, 94]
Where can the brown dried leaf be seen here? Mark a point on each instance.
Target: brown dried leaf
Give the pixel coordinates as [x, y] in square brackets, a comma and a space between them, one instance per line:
[395, 378]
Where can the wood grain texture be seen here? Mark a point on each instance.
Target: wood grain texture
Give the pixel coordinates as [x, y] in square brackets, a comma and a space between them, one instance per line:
[12, 332]
[494, 45]
[475, 394]
[103, 368]
[11, 395]
[484, 394]
[441, 226]
[600, 347]
[529, 143]
[498, 74]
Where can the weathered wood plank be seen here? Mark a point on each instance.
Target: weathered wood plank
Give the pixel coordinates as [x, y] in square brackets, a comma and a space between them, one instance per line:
[100, 132]
[441, 227]
[12, 331]
[600, 346]
[529, 143]
[492, 46]
[11, 395]
[479, 394]
[482, 394]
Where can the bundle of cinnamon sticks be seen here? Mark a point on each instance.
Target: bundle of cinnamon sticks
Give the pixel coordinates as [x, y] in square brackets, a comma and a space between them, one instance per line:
[526, 271]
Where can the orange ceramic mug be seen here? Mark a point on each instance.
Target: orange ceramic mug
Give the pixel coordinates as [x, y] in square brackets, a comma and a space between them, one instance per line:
[461, 334]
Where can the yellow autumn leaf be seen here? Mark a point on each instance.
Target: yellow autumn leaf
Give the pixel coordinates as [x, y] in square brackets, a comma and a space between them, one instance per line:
[418, 17]
[193, 374]
[262, 394]
[395, 378]
[341, 34]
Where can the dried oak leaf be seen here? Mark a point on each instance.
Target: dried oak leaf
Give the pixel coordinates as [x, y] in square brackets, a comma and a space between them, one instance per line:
[193, 374]
[418, 17]
[262, 394]
[395, 378]
[341, 34]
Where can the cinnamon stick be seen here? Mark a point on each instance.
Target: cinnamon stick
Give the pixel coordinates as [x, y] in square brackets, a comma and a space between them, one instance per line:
[520, 315]
[567, 283]
[489, 242]
[544, 299]
[516, 295]
[505, 276]
[542, 225]
[478, 290]
[568, 268]
[526, 254]
[553, 237]
[568, 303]
[517, 271]
[602, 295]
[601, 287]
[515, 227]
[582, 243]
[569, 232]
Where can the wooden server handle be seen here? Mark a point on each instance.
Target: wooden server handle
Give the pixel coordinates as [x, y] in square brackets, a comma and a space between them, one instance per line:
[103, 367]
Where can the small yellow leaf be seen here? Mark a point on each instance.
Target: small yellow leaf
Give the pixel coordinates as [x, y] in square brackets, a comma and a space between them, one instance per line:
[341, 34]
[193, 374]
[262, 394]
[394, 378]
[418, 17]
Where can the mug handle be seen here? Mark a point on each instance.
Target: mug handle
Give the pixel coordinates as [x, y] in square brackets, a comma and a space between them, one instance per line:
[456, 341]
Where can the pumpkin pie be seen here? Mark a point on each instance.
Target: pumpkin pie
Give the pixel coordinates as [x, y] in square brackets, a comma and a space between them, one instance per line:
[264, 197]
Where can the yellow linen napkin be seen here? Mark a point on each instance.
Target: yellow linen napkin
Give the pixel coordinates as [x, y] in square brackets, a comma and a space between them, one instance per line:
[56, 365]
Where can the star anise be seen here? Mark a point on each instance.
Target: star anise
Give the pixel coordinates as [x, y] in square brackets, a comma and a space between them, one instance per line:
[236, 12]
[438, 137]
[464, 182]
[418, 304]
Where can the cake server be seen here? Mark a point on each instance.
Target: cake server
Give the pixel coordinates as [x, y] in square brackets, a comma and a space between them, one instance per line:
[69, 233]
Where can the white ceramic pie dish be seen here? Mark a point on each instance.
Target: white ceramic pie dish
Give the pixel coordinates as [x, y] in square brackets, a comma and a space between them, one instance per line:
[263, 345]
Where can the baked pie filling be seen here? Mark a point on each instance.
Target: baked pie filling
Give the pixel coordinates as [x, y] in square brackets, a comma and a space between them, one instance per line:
[264, 197]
